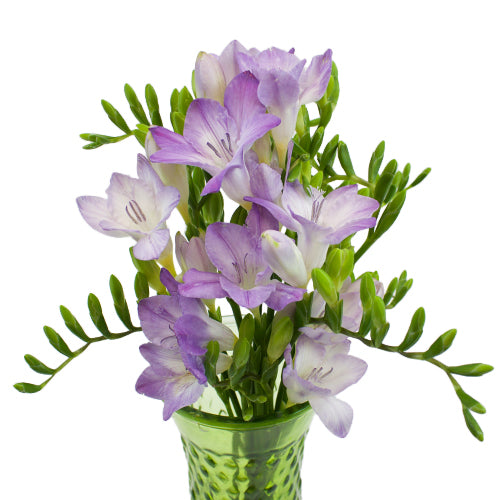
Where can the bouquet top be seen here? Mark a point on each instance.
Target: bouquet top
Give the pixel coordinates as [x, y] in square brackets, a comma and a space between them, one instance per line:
[284, 260]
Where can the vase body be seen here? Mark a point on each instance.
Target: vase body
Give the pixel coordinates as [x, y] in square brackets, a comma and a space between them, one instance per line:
[230, 460]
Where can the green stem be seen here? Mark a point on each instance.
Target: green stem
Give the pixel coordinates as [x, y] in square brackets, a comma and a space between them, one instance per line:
[112, 336]
[353, 178]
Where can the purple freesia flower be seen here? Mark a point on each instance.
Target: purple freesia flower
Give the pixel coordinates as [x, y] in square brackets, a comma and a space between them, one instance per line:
[213, 73]
[285, 84]
[216, 138]
[320, 371]
[320, 221]
[192, 253]
[167, 378]
[244, 276]
[185, 318]
[135, 207]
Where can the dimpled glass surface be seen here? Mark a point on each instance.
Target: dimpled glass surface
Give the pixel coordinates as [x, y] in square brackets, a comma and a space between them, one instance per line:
[229, 460]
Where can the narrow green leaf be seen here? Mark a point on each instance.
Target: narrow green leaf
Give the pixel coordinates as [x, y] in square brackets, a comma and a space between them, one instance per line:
[328, 156]
[135, 105]
[316, 141]
[405, 176]
[469, 402]
[367, 291]
[378, 312]
[440, 345]
[239, 216]
[115, 117]
[151, 270]
[37, 366]
[92, 145]
[72, 324]
[420, 178]
[184, 100]
[376, 162]
[390, 214]
[384, 182]
[140, 136]
[177, 119]
[325, 114]
[378, 334]
[345, 159]
[95, 311]
[471, 370]
[27, 387]
[119, 302]
[210, 361]
[472, 425]
[415, 330]
[141, 286]
[153, 106]
[390, 291]
[333, 316]
[57, 342]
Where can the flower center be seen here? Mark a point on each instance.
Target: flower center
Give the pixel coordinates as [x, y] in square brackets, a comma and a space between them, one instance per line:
[134, 212]
[316, 208]
[223, 149]
[317, 374]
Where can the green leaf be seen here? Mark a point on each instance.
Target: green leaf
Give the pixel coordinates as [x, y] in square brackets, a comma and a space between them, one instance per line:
[441, 344]
[390, 291]
[390, 214]
[37, 366]
[239, 216]
[119, 302]
[384, 182]
[345, 159]
[140, 136]
[316, 141]
[376, 162]
[177, 119]
[469, 402]
[324, 285]
[472, 425]
[210, 361]
[420, 178]
[92, 145]
[378, 312]
[115, 117]
[135, 105]
[57, 342]
[415, 330]
[405, 176]
[27, 387]
[141, 286]
[328, 155]
[153, 106]
[367, 291]
[281, 336]
[241, 355]
[471, 370]
[325, 114]
[152, 272]
[95, 311]
[333, 316]
[72, 324]
[378, 334]
[247, 328]
[184, 100]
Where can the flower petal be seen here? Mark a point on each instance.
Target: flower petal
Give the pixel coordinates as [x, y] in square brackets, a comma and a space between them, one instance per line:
[201, 284]
[334, 413]
[314, 80]
[95, 210]
[247, 297]
[158, 315]
[152, 245]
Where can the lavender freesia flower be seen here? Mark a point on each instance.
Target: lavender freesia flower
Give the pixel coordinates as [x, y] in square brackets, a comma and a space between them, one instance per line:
[320, 371]
[135, 207]
[192, 254]
[216, 137]
[244, 275]
[285, 84]
[320, 221]
[179, 330]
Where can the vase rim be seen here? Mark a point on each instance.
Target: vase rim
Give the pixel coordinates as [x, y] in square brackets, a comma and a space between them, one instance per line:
[231, 423]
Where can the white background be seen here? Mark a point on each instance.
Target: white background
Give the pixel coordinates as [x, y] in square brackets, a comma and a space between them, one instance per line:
[422, 75]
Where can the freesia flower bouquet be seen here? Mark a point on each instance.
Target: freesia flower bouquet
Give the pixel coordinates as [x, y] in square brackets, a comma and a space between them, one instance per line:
[283, 259]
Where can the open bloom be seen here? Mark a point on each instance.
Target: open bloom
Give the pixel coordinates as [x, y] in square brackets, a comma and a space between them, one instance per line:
[320, 221]
[216, 138]
[318, 373]
[285, 84]
[244, 274]
[135, 207]
[186, 319]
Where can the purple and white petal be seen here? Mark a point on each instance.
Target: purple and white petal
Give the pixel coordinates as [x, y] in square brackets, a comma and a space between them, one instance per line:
[284, 295]
[158, 315]
[202, 285]
[247, 297]
[151, 246]
[314, 80]
[335, 414]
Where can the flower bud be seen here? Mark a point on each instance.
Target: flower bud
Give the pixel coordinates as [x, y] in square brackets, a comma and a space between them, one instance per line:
[209, 77]
[284, 258]
[325, 286]
[281, 335]
[171, 175]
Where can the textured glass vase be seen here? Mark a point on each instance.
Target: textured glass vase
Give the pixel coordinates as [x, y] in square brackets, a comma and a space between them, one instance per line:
[231, 460]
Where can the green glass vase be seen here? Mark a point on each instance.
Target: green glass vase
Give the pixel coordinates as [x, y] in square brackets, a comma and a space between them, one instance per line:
[231, 460]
